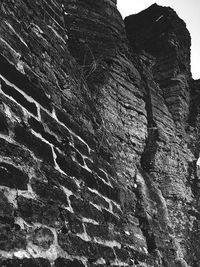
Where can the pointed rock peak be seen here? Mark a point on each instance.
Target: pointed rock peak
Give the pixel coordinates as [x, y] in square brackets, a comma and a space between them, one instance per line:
[153, 10]
[157, 29]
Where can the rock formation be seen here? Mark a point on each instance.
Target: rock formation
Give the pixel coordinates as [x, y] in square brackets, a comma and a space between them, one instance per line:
[99, 137]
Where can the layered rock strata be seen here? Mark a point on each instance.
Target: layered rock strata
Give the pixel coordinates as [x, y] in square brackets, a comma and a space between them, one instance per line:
[99, 136]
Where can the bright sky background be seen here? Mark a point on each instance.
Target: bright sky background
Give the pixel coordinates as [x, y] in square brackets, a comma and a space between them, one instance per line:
[188, 10]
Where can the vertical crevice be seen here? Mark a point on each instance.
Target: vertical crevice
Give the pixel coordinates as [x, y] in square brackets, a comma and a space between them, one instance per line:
[147, 158]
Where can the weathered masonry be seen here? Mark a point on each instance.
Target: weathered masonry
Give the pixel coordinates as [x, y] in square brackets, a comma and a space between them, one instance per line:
[99, 137]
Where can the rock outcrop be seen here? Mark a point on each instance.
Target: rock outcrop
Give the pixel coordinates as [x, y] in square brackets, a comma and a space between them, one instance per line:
[99, 137]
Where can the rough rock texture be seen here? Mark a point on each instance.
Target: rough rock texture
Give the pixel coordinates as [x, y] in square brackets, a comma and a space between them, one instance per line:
[99, 137]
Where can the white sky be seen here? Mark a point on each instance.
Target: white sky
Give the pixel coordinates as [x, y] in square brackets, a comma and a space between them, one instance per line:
[188, 10]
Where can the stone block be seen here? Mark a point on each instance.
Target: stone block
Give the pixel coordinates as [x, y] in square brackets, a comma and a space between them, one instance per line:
[57, 178]
[94, 198]
[85, 209]
[95, 168]
[42, 237]
[106, 252]
[39, 128]
[122, 254]
[61, 262]
[76, 246]
[82, 147]
[101, 231]
[72, 222]
[49, 192]
[6, 209]
[111, 218]
[56, 128]
[19, 98]
[11, 239]
[34, 211]
[67, 165]
[76, 128]
[36, 262]
[13, 177]
[22, 82]
[19, 154]
[39, 147]
[4, 125]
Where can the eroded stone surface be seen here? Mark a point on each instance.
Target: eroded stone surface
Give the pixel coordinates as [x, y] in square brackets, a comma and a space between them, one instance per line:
[99, 137]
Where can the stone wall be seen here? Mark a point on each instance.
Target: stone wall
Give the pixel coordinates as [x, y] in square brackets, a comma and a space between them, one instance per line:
[98, 136]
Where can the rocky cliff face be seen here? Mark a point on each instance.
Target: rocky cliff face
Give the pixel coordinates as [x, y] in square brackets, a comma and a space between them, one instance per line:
[99, 137]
